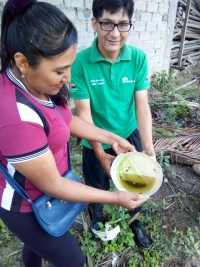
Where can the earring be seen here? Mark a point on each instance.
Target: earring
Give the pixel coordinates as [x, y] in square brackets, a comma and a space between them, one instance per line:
[22, 75]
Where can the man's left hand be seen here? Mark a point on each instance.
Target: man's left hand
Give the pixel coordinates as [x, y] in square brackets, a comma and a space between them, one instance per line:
[106, 162]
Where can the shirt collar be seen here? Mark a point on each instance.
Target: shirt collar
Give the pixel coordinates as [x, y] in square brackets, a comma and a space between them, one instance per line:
[95, 56]
[20, 85]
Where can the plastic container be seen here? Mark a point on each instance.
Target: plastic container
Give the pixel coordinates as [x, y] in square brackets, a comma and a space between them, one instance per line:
[136, 173]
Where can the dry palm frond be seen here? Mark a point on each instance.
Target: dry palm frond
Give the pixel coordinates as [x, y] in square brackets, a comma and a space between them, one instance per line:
[182, 149]
[180, 157]
[187, 143]
[184, 132]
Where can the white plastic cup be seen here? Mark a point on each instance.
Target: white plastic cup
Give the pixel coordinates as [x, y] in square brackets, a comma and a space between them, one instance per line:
[136, 173]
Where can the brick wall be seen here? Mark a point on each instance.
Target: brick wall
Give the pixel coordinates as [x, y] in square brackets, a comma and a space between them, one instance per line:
[152, 31]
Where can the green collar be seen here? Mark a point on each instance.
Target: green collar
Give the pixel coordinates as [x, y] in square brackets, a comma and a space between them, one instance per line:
[95, 56]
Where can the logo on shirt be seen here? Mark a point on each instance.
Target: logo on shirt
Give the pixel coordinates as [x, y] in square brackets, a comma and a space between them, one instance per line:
[126, 80]
[72, 88]
[97, 82]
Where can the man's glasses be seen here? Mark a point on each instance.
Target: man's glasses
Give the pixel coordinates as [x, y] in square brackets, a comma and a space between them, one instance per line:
[109, 26]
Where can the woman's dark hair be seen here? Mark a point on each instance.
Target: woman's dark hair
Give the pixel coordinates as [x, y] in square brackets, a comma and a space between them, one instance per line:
[112, 6]
[36, 29]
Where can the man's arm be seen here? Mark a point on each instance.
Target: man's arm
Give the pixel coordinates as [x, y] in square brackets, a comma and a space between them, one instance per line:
[144, 120]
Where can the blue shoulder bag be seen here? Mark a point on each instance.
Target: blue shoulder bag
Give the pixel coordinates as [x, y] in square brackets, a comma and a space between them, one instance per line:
[54, 215]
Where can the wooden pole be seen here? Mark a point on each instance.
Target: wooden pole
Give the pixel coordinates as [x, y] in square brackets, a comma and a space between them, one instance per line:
[184, 32]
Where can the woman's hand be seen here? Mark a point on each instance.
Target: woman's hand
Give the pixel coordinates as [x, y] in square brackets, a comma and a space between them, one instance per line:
[128, 200]
[122, 146]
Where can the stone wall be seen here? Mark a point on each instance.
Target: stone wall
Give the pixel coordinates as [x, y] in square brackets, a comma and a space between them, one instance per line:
[152, 31]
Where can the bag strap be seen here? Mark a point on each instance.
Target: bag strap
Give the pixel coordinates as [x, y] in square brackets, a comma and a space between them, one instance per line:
[14, 184]
[68, 149]
[69, 160]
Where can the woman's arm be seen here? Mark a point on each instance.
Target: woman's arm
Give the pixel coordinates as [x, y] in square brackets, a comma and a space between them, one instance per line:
[43, 173]
[86, 130]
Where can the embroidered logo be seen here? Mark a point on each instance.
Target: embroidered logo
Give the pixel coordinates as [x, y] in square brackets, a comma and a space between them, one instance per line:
[97, 82]
[126, 80]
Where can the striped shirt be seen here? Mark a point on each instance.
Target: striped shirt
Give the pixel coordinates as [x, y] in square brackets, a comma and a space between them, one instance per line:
[29, 127]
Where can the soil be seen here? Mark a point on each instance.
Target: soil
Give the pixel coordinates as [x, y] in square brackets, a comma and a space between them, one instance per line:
[180, 212]
[185, 76]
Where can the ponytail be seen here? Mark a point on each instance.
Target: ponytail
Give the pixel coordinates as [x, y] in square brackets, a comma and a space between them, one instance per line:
[11, 10]
[36, 29]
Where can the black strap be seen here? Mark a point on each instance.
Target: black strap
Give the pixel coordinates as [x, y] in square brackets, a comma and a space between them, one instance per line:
[68, 149]
[14, 184]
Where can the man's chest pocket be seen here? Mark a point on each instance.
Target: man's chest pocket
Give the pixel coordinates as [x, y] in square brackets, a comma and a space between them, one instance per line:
[126, 91]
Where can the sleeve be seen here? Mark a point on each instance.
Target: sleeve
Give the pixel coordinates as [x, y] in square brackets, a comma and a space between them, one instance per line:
[79, 89]
[142, 82]
[23, 141]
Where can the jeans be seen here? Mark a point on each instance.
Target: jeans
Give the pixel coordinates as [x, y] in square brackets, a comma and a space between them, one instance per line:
[63, 251]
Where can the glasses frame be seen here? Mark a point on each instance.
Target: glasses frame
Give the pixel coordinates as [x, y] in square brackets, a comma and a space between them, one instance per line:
[114, 25]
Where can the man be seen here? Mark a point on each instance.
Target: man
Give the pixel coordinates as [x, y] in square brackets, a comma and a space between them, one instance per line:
[109, 87]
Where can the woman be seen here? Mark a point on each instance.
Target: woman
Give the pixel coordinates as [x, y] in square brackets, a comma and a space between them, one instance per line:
[38, 47]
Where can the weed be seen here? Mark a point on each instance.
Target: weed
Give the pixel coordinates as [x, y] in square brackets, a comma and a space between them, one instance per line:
[125, 238]
[171, 113]
[180, 147]
[183, 111]
[197, 200]
[163, 159]
[3, 228]
[198, 218]
[162, 81]
[187, 242]
[186, 92]
[8, 263]
[163, 132]
[4, 233]
[77, 159]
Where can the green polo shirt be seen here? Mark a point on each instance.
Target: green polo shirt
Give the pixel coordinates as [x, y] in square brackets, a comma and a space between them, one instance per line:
[110, 87]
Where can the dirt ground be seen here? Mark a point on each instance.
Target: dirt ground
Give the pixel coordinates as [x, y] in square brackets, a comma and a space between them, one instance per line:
[180, 212]
[187, 75]
[180, 179]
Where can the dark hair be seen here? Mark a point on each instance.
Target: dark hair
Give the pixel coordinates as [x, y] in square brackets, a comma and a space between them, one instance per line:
[112, 6]
[36, 29]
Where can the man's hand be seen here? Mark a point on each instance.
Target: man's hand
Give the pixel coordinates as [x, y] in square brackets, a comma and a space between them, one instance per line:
[122, 146]
[106, 162]
[150, 153]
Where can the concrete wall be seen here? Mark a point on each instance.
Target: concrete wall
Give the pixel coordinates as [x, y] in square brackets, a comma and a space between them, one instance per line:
[152, 31]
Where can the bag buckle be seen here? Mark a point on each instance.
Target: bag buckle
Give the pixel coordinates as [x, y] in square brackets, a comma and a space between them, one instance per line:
[49, 204]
